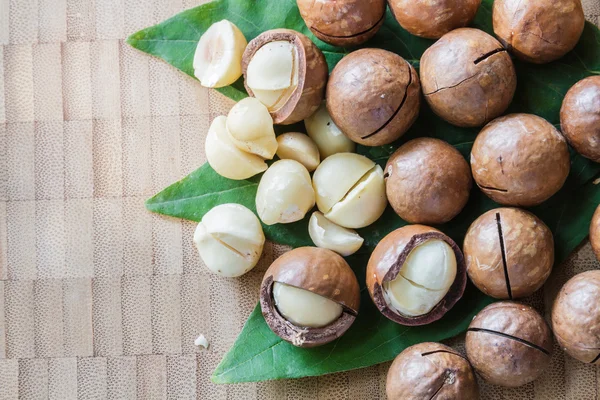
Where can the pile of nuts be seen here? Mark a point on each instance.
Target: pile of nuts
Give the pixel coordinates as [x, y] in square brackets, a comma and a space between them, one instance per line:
[310, 296]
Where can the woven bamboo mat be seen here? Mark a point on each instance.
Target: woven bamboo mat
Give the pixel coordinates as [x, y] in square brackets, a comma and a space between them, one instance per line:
[99, 298]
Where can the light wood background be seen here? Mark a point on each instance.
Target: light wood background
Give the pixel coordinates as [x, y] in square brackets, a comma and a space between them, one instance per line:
[99, 298]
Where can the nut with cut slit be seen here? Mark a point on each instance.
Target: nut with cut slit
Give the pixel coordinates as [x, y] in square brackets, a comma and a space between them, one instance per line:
[309, 296]
[218, 57]
[226, 158]
[431, 371]
[328, 235]
[580, 117]
[509, 253]
[576, 317]
[538, 31]
[509, 344]
[329, 138]
[415, 275]
[419, 190]
[433, 19]
[284, 193]
[595, 233]
[373, 96]
[468, 78]
[520, 160]
[229, 240]
[287, 73]
[350, 190]
[343, 22]
[251, 128]
[299, 147]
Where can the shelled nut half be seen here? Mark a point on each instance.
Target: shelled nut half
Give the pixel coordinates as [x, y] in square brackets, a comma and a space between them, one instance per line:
[309, 296]
[299, 147]
[251, 128]
[509, 253]
[286, 72]
[576, 317]
[429, 371]
[328, 235]
[509, 344]
[329, 138]
[415, 275]
[350, 190]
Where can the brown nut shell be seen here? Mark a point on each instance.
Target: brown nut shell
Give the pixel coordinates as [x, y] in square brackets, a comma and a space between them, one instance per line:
[322, 272]
[595, 233]
[389, 256]
[468, 78]
[343, 22]
[576, 317]
[580, 117]
[520, 160]
[509, 253]
[433, 19]
[538, 31]
[312, 75]
[431, 370]
[427, 181]
[373, 96]
[509, 344]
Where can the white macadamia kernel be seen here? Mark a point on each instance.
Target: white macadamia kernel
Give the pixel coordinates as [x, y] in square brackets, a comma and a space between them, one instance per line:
[299, 147]
[350, 190]
[424, 279]
[251, 128]
[304, 308]
[285, 193]
[328, 235]
[218, 58]
[226, 158]
[229, 240]
[328, 137]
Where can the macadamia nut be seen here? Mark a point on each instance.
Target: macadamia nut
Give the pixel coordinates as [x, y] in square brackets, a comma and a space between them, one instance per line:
[595, 232]
[304, 308]
[350, 190]
[328, 235]
[229, 240]
[328, 137]
[285, 193]
[226, 158]
[299, 147]
[251, 128]
[424, 279]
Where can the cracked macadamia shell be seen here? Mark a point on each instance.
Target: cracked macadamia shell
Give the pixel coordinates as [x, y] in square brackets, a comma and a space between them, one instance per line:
[580, 117]
[343, 22]
[373, 96]
[321, 272]
[509, 344]
[468, 78]
[509, 253]
[433, 19]
[538, 31]
[427, 181]
[576, 317]
[520, 160]
[431, 370]
[311, 74]
[595, 233]
[386, 265]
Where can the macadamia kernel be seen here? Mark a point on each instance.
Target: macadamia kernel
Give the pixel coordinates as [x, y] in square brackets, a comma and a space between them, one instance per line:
[328, 235]
[224, 156]
[350, 190]
[299, 147]
[251, 128]
[424, 279]
[328, 137]
[229, 240]
[304, 308]
[285, 193]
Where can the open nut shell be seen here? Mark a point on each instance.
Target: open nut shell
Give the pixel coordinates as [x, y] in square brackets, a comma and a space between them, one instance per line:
[396, 247]
[322, 272]
[312, 75]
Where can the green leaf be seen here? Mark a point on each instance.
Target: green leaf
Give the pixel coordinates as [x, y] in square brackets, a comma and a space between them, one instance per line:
[258, 354]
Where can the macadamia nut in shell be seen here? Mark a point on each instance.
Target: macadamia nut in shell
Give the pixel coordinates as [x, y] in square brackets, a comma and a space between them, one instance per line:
[468, 78]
